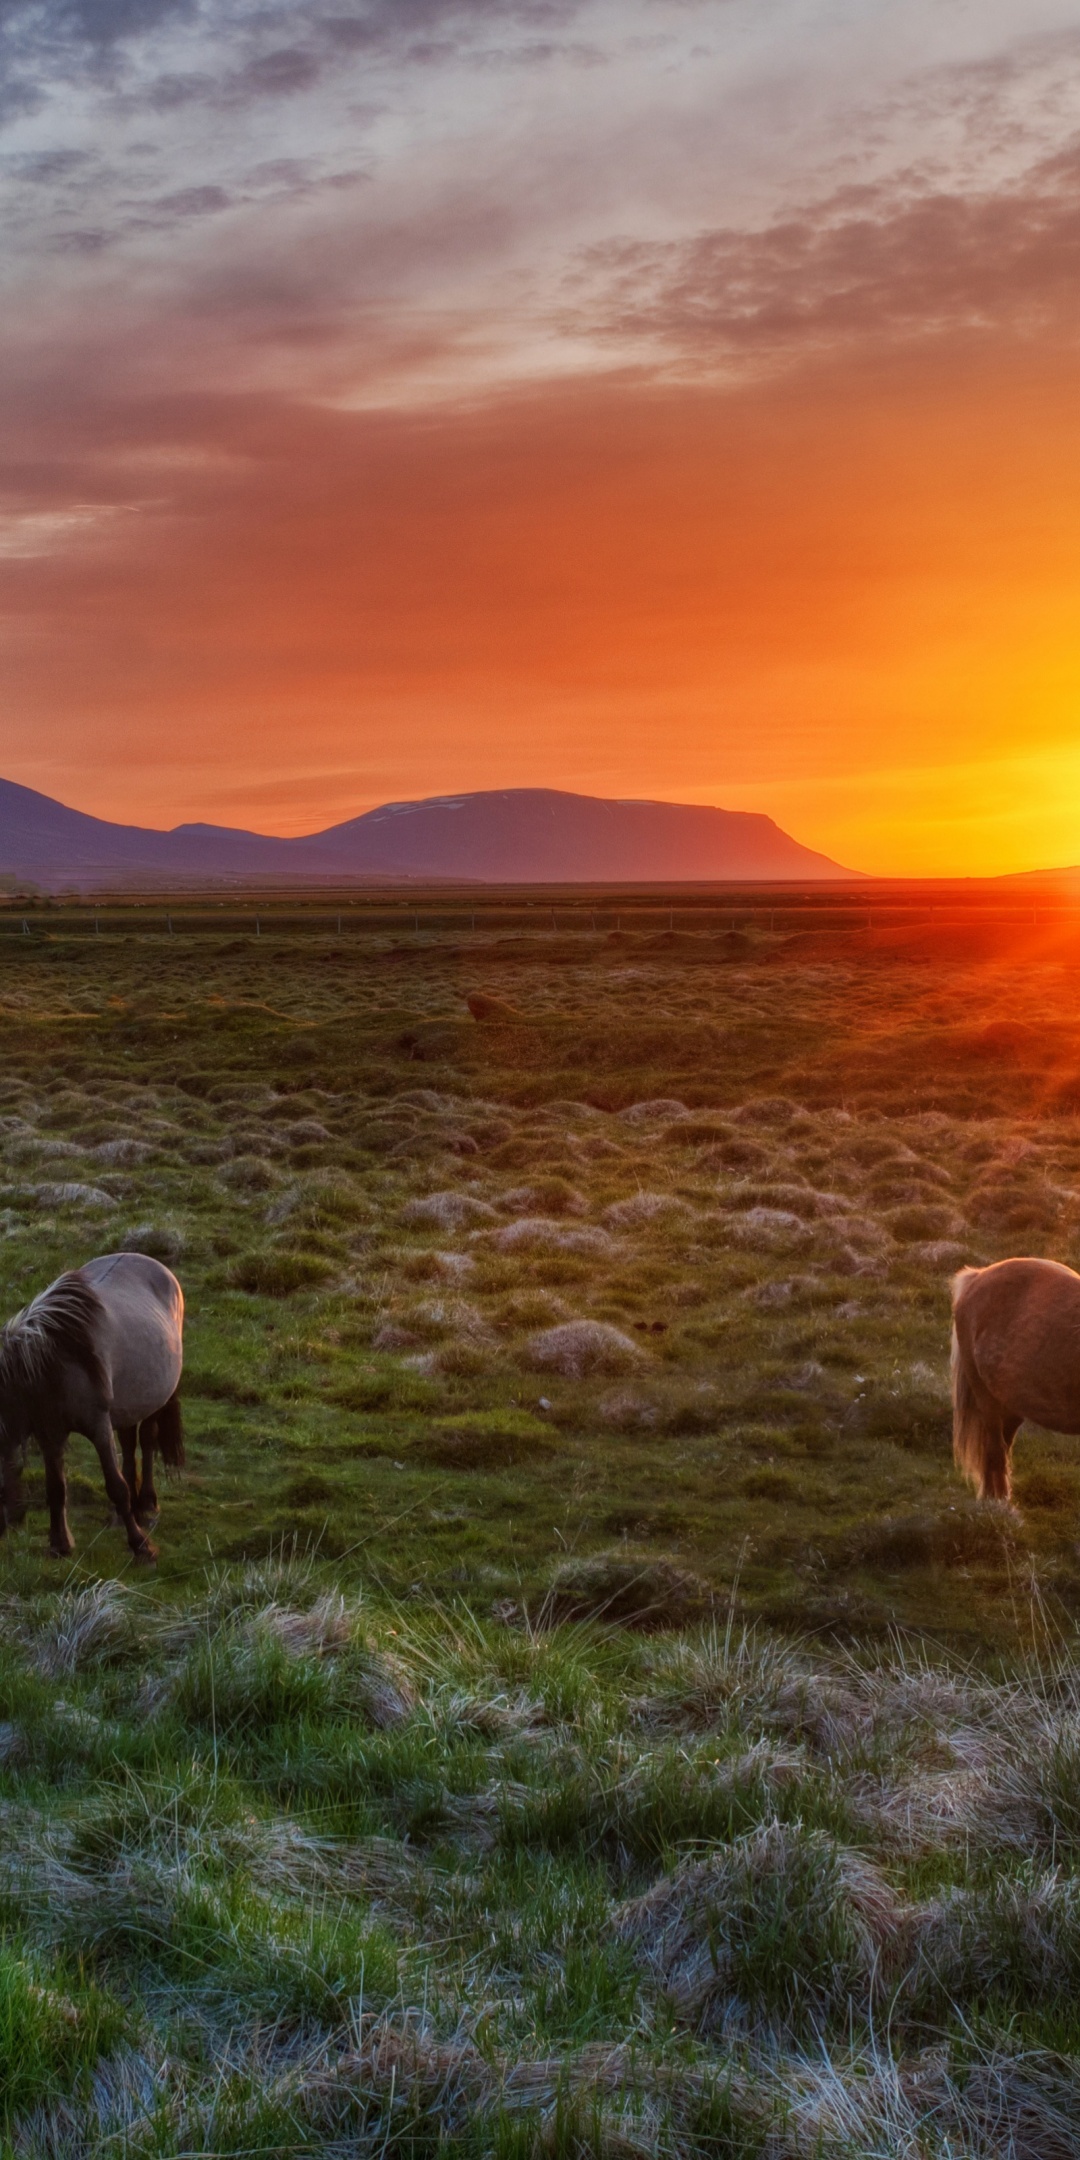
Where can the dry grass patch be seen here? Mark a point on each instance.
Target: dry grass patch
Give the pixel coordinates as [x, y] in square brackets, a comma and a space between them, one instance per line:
[449, 1211]
[576, 1349]
[533, 1233]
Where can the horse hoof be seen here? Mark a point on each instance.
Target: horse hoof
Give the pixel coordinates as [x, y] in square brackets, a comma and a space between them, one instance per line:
[147, 1521]
[145, 1555]
[61, 1552]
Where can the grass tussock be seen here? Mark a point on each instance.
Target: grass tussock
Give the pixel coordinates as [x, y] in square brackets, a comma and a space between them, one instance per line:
[626, 1589]
[577, 1348]
[271, 1273]
[282, 1868]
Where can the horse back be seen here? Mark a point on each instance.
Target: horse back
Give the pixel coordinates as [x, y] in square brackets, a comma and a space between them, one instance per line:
[142, 1331]
[134, 1279]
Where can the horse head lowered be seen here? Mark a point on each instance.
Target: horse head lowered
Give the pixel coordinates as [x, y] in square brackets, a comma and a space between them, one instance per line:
[100, 1349]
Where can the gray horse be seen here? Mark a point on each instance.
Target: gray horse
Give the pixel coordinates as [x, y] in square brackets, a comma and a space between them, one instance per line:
[102, 1347]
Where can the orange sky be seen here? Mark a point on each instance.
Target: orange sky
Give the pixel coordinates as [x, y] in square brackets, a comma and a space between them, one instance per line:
[754, 483]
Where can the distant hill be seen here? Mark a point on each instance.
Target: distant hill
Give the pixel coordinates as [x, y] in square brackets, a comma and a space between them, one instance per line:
[1066, 876]
[502, 836]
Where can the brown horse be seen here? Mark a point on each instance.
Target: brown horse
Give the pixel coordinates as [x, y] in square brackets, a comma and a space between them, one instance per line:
[102, 1347]
[1015, 1355]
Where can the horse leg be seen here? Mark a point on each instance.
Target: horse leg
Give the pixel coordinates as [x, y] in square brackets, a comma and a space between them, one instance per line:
[995, 1469]
[119, 1493]
[997, 1463]
[128, 1436]
[983, 1430]
[61, 1542]
[12, 1496]
[146, 1506]
[144, 1500]
[1010, 1426]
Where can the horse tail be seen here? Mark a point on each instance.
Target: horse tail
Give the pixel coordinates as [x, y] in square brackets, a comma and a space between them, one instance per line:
[975, 1439]
[169, 1438]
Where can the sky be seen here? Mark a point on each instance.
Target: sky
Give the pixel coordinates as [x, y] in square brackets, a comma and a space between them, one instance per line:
[666, 398]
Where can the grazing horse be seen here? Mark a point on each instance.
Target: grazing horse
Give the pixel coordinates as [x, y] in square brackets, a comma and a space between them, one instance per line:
[101, 1347]
[1015, 1355]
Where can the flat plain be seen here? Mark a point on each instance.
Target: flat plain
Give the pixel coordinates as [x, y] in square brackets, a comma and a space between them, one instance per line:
[578, 1709]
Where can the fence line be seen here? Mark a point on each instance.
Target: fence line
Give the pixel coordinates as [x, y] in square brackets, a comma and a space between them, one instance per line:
[540, 920]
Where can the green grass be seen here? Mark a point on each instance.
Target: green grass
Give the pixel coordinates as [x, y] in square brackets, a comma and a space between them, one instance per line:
[53, 2030]
[514, 1757]
[394, 1874]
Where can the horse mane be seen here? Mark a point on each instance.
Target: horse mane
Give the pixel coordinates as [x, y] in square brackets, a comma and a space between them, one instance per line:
[60, 1324]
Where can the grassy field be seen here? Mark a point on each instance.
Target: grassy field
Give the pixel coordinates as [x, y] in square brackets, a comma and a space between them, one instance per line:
[577, 1710]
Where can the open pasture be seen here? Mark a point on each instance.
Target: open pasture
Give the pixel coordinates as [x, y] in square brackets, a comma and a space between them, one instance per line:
[652, 1260]
[623, 1304]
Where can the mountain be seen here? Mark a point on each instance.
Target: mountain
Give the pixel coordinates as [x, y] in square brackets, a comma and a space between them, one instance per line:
[503, 836]
[44, 840]
[541, 835]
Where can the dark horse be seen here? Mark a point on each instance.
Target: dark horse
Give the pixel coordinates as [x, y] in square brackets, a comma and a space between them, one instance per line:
[1015, 1355]
[102, 1347]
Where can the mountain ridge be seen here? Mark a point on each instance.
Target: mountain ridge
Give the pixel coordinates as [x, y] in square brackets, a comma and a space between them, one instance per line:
[489, 836]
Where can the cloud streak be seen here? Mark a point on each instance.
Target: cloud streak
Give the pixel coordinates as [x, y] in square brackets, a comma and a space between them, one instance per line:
[864, 267]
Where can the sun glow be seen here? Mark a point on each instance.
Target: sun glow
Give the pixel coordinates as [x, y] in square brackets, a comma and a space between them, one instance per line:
[457, 447]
